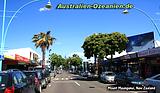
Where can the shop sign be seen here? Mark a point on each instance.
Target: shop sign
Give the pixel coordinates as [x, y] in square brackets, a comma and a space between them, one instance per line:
[154, 51]
[1, 57]
[143, 53]
[20, 58]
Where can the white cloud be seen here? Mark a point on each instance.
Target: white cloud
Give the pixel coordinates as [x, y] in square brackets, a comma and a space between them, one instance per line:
[43, 9]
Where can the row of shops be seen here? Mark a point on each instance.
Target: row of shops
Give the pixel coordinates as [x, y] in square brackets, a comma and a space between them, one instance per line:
[145, 63]
[22, 58]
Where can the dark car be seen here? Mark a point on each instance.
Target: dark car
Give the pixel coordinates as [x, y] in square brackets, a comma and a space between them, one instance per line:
[14, 81]
[35, 79]
[128, 79]
[45, 73]
[85, 74]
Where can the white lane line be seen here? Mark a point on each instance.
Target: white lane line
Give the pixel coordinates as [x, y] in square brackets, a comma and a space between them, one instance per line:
[49, 85]
[66, 78]
[57, 79]
[62, 78]
[77, 83]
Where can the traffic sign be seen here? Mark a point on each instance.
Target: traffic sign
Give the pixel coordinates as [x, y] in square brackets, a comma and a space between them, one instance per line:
[1, 57]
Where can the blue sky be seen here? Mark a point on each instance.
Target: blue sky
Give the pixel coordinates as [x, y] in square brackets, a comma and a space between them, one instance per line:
[70, 27]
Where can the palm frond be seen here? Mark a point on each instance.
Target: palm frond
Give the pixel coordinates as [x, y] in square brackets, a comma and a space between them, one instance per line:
[48, 32]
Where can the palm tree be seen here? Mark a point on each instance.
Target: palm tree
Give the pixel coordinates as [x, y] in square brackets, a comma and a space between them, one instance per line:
[44, 41]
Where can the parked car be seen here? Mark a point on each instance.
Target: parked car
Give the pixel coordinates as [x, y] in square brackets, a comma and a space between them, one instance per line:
[45, 74]
[85, 74]
[35, 80]
[92, 76]
[153, 81]
[43, 79]
[128, 80]
[14, 81]
[107, 77]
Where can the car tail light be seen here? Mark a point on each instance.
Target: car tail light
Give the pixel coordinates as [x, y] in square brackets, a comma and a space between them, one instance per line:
[9, 90]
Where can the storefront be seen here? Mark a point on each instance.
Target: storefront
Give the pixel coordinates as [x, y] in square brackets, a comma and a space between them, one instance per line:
[149, 62]
[20, 59]
[18, 62]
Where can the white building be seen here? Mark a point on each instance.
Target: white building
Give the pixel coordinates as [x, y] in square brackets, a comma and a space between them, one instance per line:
[24, 52]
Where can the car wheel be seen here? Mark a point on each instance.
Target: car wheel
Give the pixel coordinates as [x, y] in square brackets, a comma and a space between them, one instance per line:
[45, 85]
[39, 90]
[49, 81]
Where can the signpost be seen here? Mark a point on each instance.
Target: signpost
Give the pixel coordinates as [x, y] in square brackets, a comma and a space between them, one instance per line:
[1, 57]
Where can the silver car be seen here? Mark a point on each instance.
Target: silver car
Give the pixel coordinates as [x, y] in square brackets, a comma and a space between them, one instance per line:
[154, 82]
[107, 77]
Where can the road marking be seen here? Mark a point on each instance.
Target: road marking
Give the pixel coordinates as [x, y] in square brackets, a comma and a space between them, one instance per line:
[49, 85]
[66, 78]
[77, 83]
[62, 78]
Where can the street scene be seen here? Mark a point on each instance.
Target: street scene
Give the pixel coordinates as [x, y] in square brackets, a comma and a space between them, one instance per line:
[106, 46]
[71, 83]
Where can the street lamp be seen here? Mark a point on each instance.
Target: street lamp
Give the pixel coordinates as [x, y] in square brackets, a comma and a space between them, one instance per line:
[49, 5]
[4, 31]
[150, 18]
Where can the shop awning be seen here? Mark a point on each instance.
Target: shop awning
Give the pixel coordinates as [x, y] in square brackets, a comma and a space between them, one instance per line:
[21, 59]
[9, 57]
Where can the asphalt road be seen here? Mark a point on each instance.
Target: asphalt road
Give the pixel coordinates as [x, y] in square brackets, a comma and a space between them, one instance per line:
[70, 83]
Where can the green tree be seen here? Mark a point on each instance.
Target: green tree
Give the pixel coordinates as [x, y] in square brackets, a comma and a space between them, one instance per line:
[116, 42]
[44, 41]
[75, 60]
[101, 45]
[93, 46]
[56, 60]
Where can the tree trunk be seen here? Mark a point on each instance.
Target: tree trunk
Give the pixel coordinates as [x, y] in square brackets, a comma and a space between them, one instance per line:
[43, 56]
[111, 62]
[95, 67]
[99, 67]
[111, 58]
